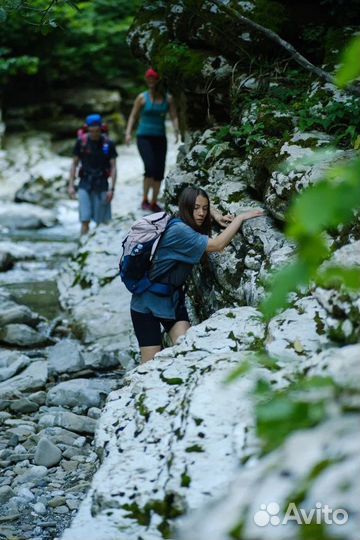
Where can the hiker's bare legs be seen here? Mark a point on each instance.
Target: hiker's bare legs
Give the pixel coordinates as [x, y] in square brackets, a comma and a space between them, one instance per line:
[148, 353]
[179, 329]
[155, 190]
[147, 185]
[84, 227]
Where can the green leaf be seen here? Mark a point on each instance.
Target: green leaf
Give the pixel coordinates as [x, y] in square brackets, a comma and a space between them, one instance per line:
[242, 369]
[350, 68]
[217, 150]
[327, 204]
[283, 282]
[335, 276]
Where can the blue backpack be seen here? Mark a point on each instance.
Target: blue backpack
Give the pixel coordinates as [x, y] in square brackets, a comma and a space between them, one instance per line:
[139, 247]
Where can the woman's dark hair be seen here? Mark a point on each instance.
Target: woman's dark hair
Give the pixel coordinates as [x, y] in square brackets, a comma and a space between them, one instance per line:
[186, 209]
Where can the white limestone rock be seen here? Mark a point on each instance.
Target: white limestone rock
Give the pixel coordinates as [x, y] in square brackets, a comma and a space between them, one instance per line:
[91, 288]
[342, 305]
[235, 329]
[185, 422]
[298, 332]
[326, 469]
[283, 185]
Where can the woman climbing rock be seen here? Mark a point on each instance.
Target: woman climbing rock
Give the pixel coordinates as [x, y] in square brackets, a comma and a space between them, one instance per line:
[183, 244]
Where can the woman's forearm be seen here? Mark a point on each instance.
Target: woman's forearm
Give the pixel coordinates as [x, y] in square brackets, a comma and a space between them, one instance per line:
[220, 242]
[130, 124]
[223, 239]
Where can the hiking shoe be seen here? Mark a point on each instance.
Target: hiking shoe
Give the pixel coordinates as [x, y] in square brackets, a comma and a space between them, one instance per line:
[145, 205]
[154, 207]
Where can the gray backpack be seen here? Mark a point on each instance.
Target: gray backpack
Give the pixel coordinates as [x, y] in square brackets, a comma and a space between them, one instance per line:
[139, 247]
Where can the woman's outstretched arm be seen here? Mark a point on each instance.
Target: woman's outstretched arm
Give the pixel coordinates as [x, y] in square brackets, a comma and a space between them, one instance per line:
[134, 116]
[222, 240]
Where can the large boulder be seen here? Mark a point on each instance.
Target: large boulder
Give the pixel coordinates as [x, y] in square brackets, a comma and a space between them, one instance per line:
[197, 423]
[342, 305]
[266, 501]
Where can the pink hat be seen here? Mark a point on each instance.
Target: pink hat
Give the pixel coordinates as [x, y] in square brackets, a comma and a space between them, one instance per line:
[152, 73]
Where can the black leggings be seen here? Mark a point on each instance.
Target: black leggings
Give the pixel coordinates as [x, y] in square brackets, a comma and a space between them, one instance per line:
[147, 326]
[153, 153]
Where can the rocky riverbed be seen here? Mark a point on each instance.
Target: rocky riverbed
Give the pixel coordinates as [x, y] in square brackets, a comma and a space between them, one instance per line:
[54, 380]
[94, 446]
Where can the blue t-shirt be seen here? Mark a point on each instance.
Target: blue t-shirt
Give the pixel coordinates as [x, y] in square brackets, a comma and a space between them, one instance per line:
[182, 244]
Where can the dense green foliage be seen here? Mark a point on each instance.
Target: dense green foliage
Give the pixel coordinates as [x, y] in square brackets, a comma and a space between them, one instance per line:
[71, 44]
[332, 202]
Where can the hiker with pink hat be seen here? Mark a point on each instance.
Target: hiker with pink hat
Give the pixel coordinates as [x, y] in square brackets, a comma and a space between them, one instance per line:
[149, 113]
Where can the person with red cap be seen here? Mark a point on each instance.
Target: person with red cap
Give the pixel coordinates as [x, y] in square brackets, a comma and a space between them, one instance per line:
[149, 112]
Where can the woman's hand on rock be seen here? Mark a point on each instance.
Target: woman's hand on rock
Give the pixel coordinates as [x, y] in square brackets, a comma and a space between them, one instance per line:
[223, 220]
[252, 214]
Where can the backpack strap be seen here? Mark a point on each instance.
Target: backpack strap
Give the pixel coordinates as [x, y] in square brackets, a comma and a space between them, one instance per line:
[162, 289]
[157, 287]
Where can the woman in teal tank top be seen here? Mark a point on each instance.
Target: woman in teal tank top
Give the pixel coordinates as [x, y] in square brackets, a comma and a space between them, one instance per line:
[149, 111]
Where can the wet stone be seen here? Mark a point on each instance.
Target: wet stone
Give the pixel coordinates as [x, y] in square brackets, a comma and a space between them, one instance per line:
[24, 405]
[68, 420]
[56, 501]
[5, 494]
[61, 510]
[39, 508]
[38, 397]
[47, 453]
[22, 336]
[65, 357]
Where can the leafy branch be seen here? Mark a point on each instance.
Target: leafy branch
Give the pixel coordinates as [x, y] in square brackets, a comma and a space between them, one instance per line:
[323, 207]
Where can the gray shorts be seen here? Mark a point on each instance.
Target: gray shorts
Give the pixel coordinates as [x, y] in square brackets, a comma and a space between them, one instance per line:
[93, 206]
